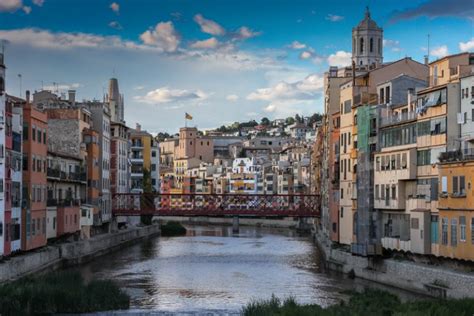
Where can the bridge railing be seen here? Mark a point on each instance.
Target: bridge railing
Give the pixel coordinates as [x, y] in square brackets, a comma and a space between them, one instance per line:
[215, 204]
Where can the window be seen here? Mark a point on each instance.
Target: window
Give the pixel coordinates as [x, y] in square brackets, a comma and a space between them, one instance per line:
[454, 232]
[472, 230]
[361, 45]
[342, 212]
[415, 223]
[347, 106]
[44, 136]
[342, 193]
[382, 193]
[25, 131]
[377, 192]
[423, 128]
[444, 185]
[39, 135]
[462, 228]
[394, 192]
[371, 45]
[33, 227]
[423, 157]
[377, 163]
[462, 185]
[444, 231]
[33, 132]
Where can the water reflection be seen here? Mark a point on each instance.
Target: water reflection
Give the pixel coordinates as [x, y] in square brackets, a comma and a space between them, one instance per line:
[212, 269]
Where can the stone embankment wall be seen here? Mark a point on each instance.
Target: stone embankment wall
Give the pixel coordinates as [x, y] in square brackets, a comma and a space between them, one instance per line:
[263, 222]
[53, 257]
[416, 277]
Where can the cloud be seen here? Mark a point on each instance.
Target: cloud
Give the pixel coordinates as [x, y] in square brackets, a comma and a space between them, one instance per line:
[334, 18]
[10, 5]
[305, 89]
[163, 36]
[297, 45]
[114, 6]
[340, 59]
[38, 3]
[467, 46]
[26, 9]
[244, 33]
[232, 97]
[138, 87]
[48, 40]
[306, 55]
[209, 43]
[436, 8]
[167, 95]
[439, 51]
[209, 26]
[62, 86]
[176, 16]
[115, 25]
[394, 45]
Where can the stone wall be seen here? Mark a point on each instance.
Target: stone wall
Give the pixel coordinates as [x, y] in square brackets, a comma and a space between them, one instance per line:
[53, 257]
[416, 277]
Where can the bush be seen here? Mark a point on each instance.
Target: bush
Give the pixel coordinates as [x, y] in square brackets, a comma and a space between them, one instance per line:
[367, 303]
[172, 228]
[60, 292]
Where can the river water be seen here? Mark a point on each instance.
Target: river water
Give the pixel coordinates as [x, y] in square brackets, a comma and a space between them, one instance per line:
[212, 270]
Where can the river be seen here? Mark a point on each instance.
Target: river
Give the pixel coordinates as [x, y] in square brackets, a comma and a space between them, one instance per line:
[212, 270]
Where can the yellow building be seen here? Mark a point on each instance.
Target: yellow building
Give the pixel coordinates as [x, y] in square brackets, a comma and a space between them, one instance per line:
[141, 143]
[456, 207]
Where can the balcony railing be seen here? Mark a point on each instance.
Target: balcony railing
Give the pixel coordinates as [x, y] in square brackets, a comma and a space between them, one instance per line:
[458, 155]
[397, 119]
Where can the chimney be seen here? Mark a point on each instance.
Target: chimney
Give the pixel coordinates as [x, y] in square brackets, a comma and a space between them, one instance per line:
[426, 60]
[138, 127]
[72, 97]
[27, 94]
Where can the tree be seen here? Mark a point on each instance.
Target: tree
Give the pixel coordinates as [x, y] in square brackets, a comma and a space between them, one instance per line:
[289, 120]
[146, 199]
[265, 121]
[316, 117]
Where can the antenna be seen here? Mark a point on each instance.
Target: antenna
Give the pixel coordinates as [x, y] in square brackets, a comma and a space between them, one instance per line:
[428, 46]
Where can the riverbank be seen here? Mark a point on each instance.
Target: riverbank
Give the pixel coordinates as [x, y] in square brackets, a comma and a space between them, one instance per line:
[73, 253]
[415, 277]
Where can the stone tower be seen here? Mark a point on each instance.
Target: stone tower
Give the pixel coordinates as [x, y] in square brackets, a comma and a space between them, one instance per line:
[115, 101]
[367, 42]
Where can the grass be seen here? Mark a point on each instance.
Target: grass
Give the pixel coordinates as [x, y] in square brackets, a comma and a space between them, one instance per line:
[172, 228]
[60, 292]
[367, 303]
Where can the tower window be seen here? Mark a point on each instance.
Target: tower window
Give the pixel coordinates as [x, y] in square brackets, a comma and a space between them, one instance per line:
[2, 85]
[361, 43]
[380, 46]
[371, 45]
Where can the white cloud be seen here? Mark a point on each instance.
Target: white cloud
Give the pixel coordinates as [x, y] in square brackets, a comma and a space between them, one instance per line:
[305, 89]
[167, 95]
[209, 26]
[163, 36]
[232, 97]
[270, 108]
[340, 59]
[244, 33]
[334, 18]
[26, 9]
[114, 6]
[205, 44]
[467, 46]
[49, 40]
[394, 45]
[38, 3]
[10, 5]
[252, 114]
[439, 51]
[115, 25]
[297, 45]
[138, 87]
[305, 54]
[63, 86]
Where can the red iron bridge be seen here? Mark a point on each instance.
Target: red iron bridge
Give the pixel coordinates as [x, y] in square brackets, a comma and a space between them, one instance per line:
[169, 204]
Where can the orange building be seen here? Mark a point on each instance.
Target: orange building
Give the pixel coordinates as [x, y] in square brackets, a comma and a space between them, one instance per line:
[456, 207]
[91, 138]
[35, 149]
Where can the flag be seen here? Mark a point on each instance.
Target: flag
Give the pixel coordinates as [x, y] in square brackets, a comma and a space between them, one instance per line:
[188, 116]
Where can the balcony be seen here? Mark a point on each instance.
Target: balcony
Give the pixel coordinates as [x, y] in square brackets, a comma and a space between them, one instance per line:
[136, 145]
[136, 160]
[398, 119]
[365, 98]
[396, 244]
[458, 155]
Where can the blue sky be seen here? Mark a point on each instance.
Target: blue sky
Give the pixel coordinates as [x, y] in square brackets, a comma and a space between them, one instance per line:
[221, 61]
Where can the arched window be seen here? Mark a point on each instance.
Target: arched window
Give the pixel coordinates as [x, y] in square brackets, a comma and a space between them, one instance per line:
[361, 44]
[371, 45]
[380, 46]
[2, 85]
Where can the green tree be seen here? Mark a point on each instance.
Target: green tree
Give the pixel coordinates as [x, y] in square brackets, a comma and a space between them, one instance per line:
[265, 121]
[289, 120]
[147, 200]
